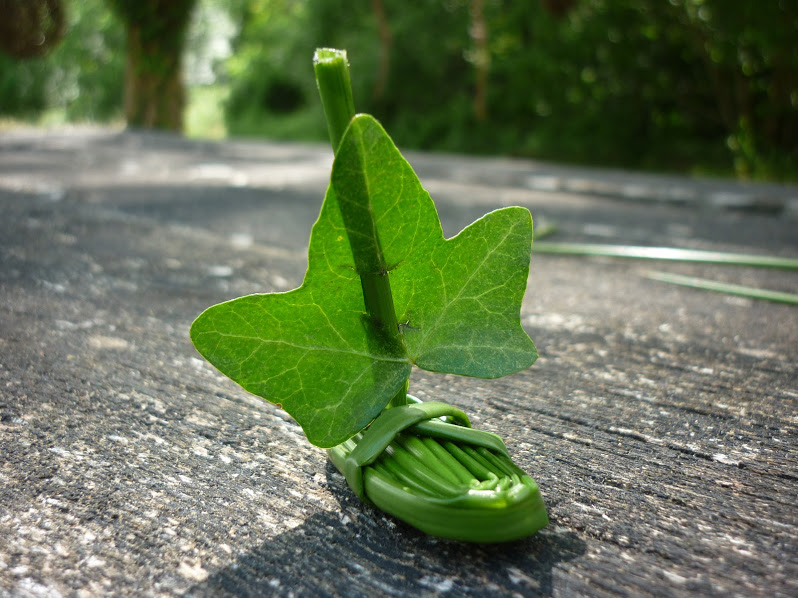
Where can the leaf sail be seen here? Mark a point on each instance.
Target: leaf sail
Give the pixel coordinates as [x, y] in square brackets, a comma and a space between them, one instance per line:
[317, 352]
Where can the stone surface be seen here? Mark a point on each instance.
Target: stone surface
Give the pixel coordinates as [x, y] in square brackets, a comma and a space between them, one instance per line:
[660, 421]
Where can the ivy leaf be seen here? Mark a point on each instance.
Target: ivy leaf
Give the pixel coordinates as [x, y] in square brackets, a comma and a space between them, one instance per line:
[317, 353]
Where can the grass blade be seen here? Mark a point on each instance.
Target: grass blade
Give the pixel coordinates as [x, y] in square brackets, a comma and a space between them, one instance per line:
[545, 230]
[666, 253]
[724, 287]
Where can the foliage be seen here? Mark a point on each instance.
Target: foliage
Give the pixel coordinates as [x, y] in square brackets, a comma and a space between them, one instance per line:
[82, 78]
[704, 85]
[280, 102]
[689, 85]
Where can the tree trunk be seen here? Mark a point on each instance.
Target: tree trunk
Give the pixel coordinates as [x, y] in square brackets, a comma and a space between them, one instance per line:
[154, 95]
[154, 92]
[32, 28]
[481, 58]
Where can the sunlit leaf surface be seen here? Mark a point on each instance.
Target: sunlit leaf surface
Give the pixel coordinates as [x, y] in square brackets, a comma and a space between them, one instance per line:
[317, 353]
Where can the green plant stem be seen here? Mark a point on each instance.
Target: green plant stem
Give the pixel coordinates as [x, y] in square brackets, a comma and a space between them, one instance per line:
[667, 253]
[724, 287]
[332, 77]
[379, 301]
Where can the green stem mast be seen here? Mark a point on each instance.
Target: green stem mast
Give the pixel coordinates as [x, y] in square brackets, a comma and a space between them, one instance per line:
[335, 89]
[332, 77]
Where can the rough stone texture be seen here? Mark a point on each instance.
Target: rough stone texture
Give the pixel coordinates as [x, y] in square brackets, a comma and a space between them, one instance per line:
[660, 421]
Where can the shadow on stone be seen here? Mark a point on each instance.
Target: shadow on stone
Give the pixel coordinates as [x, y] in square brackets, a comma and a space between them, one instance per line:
[359, 551]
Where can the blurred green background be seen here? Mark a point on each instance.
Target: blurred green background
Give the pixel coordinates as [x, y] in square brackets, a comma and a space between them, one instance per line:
[694, 86]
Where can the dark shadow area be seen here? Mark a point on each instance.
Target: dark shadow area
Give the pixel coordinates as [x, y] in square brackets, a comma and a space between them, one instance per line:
[359, 551]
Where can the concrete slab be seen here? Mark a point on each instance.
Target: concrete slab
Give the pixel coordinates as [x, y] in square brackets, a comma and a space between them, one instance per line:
[660, 421]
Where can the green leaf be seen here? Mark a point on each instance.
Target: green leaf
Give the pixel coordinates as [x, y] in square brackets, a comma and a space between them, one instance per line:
[462, 306]
[316, 352]
[307, 350]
